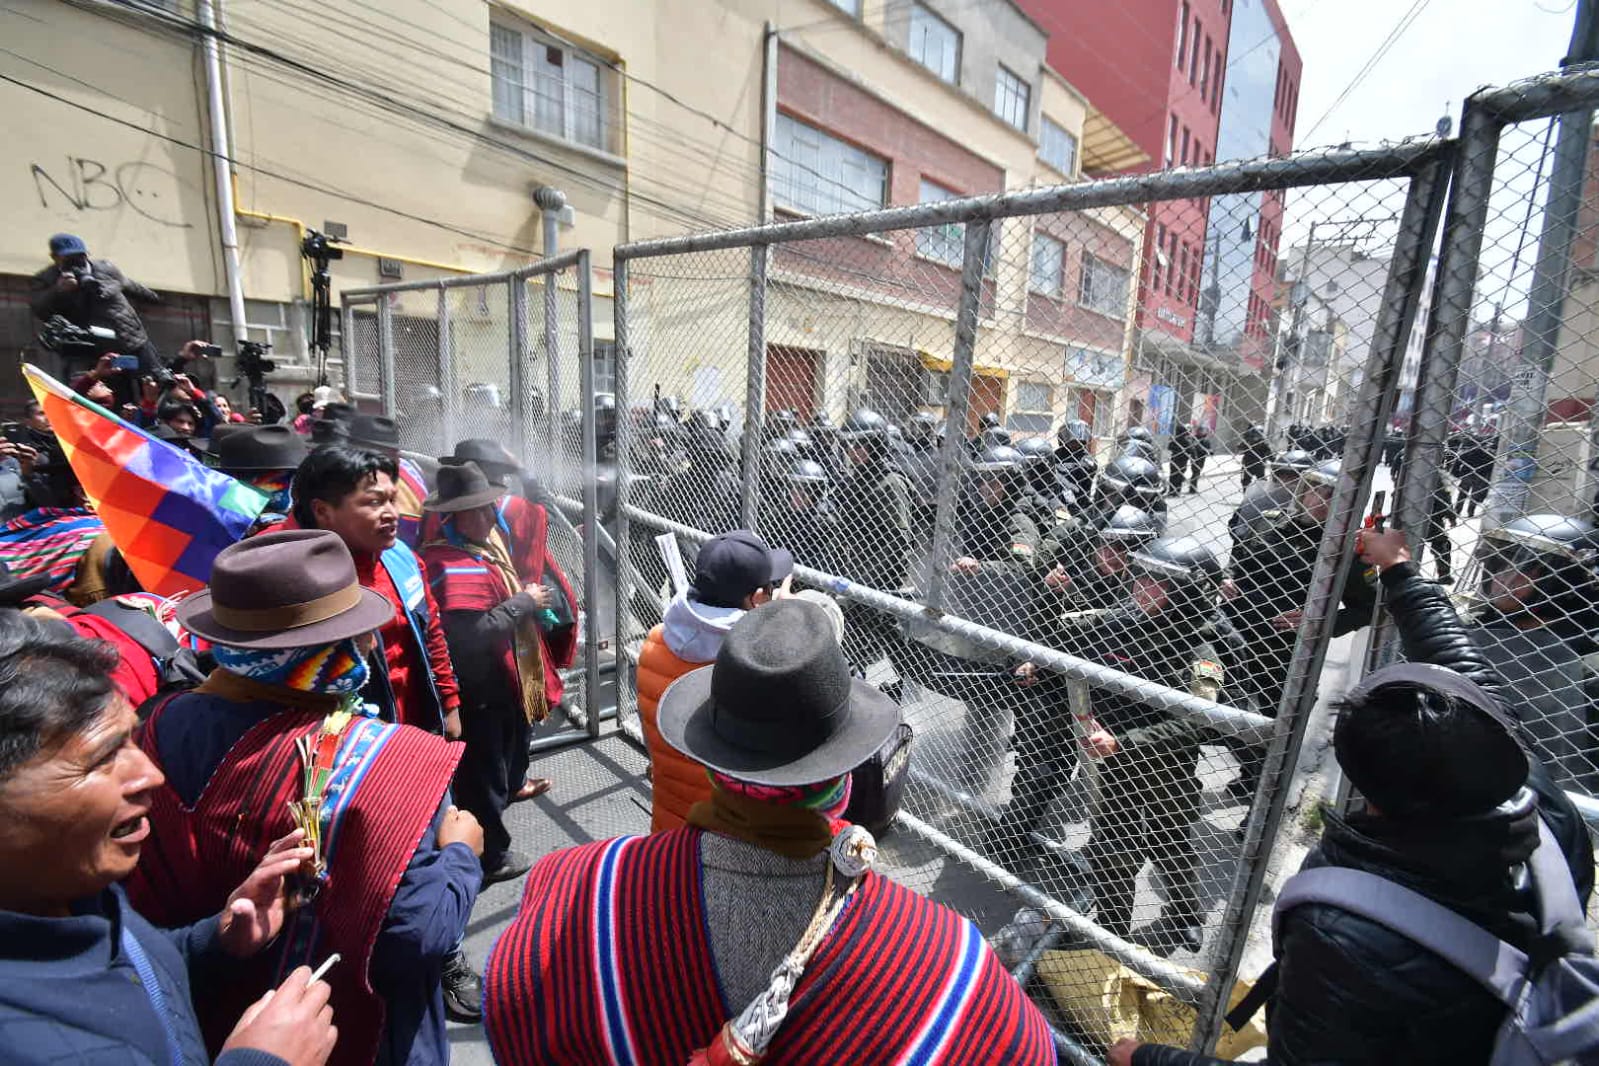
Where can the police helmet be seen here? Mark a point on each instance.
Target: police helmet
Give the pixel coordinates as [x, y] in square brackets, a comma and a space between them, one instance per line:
[670, 406]
[808, 472]
[1565, 550]
[1185, 559]
[1035, 450]
[1255, 433]
[1074, 430]
[1323, 473]
[1132, 526]
[1142, 449]
[1135, 433]
[1260, 511]
[1296, 460]
[725, 414]
[923, 425]
[990, 420]
[992, 436]
[801, 438]
[1132, 475]
[996, 459]
[865, 424]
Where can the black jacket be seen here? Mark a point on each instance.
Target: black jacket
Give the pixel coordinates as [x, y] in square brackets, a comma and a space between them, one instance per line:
[1349, 990]
[872, 532]
[101, 300]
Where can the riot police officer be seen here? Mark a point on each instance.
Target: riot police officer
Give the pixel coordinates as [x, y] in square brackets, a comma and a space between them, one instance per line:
[1074, 466]
[1265, 600]
[1180, 454]
[794, 506]
[1127, 479]
[991, 582]
[1046, 500]
[919, 463]
[1087, 577]
[1257, 450]
[1166, 632]
[1538, 626]
[871, 536]
[1268, 501]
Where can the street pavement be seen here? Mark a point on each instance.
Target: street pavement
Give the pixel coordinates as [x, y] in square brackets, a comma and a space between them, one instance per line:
[600, 791]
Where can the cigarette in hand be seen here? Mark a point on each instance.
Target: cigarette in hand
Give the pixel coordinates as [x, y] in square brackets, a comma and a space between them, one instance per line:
[323, 969]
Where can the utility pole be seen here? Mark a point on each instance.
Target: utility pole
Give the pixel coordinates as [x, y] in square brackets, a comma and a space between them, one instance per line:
[1522, 426]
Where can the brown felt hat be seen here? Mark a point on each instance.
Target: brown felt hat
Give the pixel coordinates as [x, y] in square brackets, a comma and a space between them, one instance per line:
[296, 588]
[461, 487]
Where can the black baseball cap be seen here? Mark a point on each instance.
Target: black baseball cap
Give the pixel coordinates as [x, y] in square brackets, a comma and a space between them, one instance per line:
[733, 565]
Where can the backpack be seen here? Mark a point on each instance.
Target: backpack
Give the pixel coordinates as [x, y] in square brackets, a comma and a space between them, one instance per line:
[178, 668]
[1551, 995]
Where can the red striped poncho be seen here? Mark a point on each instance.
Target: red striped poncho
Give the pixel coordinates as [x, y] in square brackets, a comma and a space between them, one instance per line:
[387, 784]
[609, 961]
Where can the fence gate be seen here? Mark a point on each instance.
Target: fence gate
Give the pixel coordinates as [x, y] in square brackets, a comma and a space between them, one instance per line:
[508, 357]
[1018, 312]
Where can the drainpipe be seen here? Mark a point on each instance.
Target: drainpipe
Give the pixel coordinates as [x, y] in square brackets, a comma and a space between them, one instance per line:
[222, 165]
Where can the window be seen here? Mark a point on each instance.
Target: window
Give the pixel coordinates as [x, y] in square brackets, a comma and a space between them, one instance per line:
[1104, 287]
[1171, 143]
[1033, 409]
[1011, 98]
[1193, 56]
[935, 44]
[1182, 36]
[1049, 265]
[1182, 272]
[816, 174]
[1057, 146]
[946, 243]
[1187, 144]
[548, 87]
[1171, 261]
[1204, 77]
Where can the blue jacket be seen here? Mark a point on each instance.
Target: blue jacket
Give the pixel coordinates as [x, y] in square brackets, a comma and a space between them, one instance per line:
[71, 993]
[405, 570]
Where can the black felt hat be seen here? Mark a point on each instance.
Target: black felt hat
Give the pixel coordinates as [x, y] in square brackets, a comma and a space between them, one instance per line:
[778, 707]
[258, 448]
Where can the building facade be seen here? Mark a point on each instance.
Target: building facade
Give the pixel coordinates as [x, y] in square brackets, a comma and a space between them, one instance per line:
[426, 141]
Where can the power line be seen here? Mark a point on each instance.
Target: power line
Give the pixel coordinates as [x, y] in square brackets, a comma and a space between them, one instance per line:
[1404, 23]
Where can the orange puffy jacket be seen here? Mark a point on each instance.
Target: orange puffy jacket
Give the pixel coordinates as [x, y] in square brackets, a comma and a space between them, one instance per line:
[677, 781]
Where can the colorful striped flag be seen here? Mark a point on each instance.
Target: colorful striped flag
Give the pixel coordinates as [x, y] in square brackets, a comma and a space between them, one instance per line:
[169, 513]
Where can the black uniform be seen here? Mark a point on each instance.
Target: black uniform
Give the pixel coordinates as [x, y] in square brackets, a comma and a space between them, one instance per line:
[871, 543]
[1257, 450]
[1474, 466]
[1180, 453]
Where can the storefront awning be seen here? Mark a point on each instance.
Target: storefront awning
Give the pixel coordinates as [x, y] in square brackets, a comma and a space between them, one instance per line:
[942, 366]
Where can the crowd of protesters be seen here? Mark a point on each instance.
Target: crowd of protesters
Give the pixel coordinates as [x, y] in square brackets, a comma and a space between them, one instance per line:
[250, 824]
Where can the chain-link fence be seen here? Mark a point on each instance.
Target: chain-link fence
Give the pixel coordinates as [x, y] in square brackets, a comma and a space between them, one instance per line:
[1497, 466]
[1057, 541]
[506, 357]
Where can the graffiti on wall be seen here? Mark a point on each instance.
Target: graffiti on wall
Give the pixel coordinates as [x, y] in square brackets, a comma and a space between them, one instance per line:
[83, 185]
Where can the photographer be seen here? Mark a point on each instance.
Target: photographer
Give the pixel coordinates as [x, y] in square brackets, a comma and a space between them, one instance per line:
[93, 292]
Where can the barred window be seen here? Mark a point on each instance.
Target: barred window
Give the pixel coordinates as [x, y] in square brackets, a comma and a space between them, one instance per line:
[549, 87]
[1049, 265]
[818, 174]
[935, 44]
[1104, 287]
[1057, 146]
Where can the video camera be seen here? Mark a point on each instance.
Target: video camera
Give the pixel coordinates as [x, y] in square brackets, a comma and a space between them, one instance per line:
[68, 338]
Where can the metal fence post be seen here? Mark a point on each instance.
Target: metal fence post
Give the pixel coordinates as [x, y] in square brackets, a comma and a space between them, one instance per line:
[591, 497]
[516, 306]
[755, 389]
[950, 457]
[1379, 390]
[386, 355]
[449, 393]
[347, 345]
[1451, 313]
[624, 463]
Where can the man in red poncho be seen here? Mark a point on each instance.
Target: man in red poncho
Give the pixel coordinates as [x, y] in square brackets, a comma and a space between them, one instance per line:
[506, 634]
